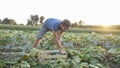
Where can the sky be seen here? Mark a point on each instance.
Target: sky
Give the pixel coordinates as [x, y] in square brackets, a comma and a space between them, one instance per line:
[92, 12]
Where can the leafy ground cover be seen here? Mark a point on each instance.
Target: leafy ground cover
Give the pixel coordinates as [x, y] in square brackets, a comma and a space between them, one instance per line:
[84, 50]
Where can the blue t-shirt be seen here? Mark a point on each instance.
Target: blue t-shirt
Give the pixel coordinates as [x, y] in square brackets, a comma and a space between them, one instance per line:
[52, 24]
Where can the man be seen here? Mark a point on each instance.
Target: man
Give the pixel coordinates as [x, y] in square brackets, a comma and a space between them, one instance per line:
[57, 27]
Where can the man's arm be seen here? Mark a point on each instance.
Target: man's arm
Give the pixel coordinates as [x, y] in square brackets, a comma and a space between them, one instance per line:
[57, 40]
[60, 34]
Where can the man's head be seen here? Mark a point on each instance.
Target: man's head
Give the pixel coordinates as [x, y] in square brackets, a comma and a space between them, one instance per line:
[65, 25]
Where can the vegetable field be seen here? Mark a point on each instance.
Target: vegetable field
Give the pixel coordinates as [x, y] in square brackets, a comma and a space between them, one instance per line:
[84, 50]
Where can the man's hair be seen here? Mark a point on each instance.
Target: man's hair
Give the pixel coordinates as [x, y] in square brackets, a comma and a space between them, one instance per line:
[66, 22]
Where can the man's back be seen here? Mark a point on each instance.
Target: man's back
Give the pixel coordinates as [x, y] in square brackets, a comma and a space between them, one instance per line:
[52, 24]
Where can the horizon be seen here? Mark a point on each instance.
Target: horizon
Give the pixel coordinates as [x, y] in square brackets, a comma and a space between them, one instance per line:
[92, 12]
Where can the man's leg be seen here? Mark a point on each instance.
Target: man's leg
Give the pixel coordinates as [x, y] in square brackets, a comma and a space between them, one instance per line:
[42, 31]
[36, 43]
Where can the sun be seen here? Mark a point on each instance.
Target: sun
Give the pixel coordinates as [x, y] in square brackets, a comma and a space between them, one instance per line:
[106, 25]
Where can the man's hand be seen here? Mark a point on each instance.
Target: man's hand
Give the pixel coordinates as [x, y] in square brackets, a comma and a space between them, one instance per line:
[61, 50]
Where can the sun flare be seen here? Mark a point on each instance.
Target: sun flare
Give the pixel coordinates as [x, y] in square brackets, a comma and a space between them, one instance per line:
[106, 25]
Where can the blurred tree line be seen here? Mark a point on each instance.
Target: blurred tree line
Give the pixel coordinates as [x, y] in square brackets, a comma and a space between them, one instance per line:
[78, 24]
[35, 20]
[8, 21]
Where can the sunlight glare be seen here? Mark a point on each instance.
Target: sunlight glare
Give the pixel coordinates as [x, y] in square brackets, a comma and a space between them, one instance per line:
[106, 25]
